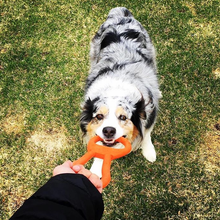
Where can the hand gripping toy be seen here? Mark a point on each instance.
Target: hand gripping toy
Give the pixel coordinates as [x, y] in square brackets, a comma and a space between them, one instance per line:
[106, 153]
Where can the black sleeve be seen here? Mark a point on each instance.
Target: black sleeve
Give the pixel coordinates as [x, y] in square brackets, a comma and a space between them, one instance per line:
[65, 196]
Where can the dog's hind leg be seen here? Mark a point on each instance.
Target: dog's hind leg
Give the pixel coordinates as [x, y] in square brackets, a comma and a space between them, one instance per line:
[147, 147]
[96, 167]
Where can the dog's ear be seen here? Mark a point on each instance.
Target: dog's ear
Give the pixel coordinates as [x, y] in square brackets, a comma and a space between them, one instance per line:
[138, 114]
[151, 111]
[87, 113]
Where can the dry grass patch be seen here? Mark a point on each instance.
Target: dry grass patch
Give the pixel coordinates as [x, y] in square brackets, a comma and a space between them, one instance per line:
[49, 140]
[216, 73]
[210, 150]
[14, 123]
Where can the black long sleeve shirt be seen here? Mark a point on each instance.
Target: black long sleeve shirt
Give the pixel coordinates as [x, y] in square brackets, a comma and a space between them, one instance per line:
[65, 196]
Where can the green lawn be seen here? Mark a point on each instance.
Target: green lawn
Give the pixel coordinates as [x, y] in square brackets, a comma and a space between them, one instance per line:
[44, 47]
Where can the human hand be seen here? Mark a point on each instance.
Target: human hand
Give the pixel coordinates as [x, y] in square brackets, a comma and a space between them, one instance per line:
[68, 167]
[95, 180]
[64, 168]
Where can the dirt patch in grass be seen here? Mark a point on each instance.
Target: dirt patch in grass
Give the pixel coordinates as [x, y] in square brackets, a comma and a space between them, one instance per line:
[216, 73]
[49, 140]
[14, 123]
[210, 150]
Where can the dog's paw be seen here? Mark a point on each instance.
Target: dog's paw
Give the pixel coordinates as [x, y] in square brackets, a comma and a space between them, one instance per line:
[149, 153]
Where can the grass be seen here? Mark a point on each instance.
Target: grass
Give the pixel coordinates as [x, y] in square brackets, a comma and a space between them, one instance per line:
[44, 62]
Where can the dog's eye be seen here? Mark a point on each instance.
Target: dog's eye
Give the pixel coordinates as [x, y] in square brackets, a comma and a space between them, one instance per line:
[100, 116]
[122, 117]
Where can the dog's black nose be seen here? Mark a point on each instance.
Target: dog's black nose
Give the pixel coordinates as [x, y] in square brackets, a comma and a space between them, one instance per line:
[109, 132]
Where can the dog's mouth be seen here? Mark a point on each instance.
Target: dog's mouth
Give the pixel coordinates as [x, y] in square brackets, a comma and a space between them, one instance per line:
[109, 142]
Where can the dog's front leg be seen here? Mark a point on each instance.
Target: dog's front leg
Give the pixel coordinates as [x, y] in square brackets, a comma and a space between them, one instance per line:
[148, 148]
[96, 167]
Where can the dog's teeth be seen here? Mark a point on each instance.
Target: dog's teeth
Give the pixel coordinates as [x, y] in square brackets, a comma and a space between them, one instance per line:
[109, 141]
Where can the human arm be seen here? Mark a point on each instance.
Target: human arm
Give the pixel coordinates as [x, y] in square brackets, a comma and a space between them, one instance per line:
[65, 196]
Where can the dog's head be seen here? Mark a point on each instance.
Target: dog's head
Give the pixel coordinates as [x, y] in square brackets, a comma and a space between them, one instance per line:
[113, 118]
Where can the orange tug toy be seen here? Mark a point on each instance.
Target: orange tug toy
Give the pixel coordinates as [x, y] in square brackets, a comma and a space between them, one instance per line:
[106, 153]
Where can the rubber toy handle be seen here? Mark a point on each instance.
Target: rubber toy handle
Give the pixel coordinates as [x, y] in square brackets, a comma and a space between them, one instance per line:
[106, 153]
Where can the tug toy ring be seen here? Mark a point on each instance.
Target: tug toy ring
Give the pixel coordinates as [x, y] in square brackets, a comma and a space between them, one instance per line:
[106, 153]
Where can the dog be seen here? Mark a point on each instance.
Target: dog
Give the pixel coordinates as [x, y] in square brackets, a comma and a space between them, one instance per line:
[122, 90]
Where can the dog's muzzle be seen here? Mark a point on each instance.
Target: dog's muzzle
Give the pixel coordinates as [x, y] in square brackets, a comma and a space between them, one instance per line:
[109, 134]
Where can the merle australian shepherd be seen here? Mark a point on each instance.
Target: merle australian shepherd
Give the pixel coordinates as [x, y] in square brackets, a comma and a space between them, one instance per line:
[122, 91]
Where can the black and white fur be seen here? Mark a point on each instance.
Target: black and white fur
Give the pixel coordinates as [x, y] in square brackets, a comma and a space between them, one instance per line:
[122, 91]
